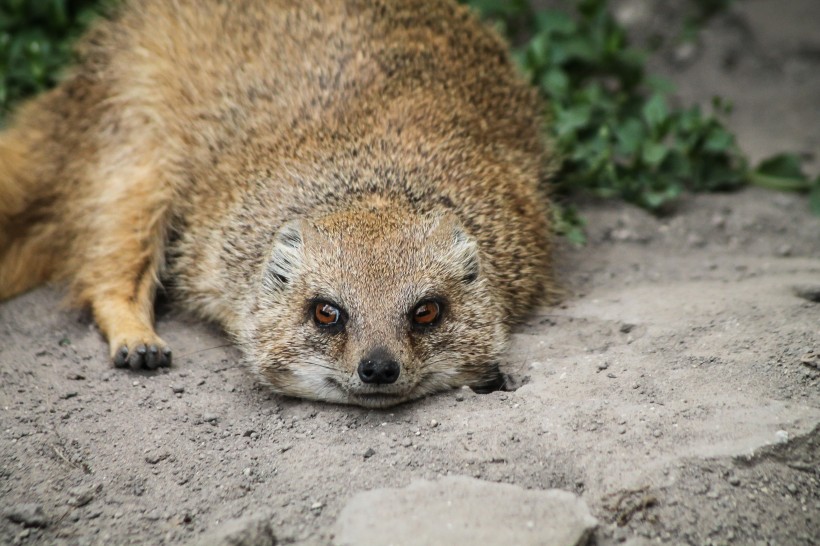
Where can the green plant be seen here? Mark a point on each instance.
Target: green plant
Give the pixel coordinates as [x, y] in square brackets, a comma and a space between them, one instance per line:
[35, 43]
[613, 125]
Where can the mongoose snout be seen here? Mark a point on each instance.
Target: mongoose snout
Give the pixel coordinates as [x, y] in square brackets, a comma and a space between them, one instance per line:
[379, 368]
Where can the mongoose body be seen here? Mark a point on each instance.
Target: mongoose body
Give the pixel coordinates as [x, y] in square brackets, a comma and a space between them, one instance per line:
[353, 189]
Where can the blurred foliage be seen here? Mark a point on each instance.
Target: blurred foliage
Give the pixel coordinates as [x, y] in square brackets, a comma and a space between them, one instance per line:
[612, 123]
[35, 43]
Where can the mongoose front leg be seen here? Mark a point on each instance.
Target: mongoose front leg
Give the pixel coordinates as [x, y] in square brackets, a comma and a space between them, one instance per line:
[126, 320]
[119, 277]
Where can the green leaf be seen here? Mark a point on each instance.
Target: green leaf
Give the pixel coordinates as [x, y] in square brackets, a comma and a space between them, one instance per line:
[570, 120]
[654, 153]
[719, 140]
[555, 83]
[782, 166]
[557, 22]
[654, 200]
[655, 111]
[814, 197]
[629, 136]
[783, 172]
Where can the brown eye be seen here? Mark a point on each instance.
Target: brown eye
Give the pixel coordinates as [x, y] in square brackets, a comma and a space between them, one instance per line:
[426, 313]
[326, 314]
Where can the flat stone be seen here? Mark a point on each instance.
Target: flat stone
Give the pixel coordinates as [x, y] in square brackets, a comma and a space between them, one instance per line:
[462, 510]
[255, 530]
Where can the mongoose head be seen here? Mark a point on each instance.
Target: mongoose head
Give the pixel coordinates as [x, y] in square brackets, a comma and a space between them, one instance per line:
[375, 306]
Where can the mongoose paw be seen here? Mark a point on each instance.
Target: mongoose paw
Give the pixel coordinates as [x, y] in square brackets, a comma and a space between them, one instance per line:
[140, 356]
[499, 382]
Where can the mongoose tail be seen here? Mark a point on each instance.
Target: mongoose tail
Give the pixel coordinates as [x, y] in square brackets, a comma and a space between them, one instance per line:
[23, 262]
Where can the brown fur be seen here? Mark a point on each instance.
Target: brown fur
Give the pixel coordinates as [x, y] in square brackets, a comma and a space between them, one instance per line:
[198, 139]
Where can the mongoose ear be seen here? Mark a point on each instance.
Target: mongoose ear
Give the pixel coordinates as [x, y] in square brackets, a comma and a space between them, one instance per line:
[465, 254]
[285, 257]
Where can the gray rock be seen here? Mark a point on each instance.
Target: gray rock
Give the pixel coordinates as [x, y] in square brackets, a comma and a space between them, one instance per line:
[461, 510]
[255, 530]
[83, 494]
[30, 515]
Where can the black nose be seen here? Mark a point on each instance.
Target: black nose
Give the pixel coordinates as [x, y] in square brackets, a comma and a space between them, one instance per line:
[379, 371]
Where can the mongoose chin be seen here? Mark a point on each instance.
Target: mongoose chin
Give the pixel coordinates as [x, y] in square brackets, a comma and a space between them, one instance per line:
[353, 189]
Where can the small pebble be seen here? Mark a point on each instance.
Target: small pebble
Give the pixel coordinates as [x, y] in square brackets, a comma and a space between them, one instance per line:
[83, 494]
[792, 488]
[177, 389]
[781, 436]
[695, 240]
[407, 442]
[67, 395]
[459, 397]
[210, 418]
[369, 453]
[433, 423]
[626, 328]
[154, 458]
[785, 250]
[734, 480]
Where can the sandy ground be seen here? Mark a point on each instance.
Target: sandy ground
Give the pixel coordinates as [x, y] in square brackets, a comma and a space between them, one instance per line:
[674, 391]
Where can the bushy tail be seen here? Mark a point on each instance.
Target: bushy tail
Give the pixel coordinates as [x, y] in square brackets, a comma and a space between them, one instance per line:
[15, 182]
[23, 262]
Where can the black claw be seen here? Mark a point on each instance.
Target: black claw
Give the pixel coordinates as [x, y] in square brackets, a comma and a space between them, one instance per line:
[137, 359]
[494, 381]
[143, 357]
[152, 358]
[167, 356]
[121, 358]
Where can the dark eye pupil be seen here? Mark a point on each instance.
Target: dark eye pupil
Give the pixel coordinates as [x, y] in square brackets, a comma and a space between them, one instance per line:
[426, 313]
[327, 314]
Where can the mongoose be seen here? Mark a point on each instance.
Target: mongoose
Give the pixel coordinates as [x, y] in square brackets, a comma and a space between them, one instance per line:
[353, 189]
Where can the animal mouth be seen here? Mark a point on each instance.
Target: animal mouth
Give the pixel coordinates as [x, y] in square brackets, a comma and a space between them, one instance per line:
[373, 398]
[376, 400]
